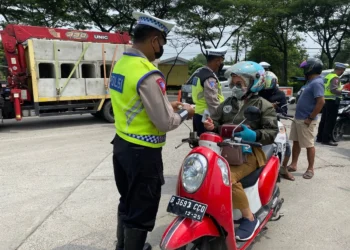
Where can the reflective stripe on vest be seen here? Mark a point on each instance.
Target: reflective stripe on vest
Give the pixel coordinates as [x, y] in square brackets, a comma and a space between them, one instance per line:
[131, 120]
[328, 95]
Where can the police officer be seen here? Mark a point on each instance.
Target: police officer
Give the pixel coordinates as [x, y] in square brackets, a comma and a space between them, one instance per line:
[206, 88]
[143, 115]
[332, 95]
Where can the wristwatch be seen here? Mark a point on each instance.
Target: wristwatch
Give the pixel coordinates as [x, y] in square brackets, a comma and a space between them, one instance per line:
[309, 118]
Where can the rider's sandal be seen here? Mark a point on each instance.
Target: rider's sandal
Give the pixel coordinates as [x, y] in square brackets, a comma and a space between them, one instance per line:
[308, 174]
[290, 169]
[288, 177]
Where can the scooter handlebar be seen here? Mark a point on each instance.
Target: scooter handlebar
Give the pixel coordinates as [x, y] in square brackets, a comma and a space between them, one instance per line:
[254, 144]
[239, 141]
[284, 116]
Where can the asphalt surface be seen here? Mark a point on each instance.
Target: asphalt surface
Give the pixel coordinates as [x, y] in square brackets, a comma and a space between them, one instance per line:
[57, 190]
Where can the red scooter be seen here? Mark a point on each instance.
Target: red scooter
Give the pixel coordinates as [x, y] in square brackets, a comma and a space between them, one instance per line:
[203, 203]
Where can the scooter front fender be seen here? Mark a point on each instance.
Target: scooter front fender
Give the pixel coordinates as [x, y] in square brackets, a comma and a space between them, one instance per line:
[183, 231]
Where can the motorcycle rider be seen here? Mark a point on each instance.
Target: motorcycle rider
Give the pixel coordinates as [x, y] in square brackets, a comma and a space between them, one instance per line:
[278, 99]
[246, 79]
[206, 88]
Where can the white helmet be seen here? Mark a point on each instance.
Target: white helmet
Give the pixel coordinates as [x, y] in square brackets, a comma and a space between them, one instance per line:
[265, 65]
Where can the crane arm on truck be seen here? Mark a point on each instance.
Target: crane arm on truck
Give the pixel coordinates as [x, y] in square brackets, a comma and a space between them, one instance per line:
[14, 38]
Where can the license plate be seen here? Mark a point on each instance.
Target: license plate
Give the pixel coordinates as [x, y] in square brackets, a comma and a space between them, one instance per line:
[187, 208]
[345, 102]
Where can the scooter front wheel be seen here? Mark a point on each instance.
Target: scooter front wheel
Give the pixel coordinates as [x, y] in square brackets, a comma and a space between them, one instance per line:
[206, 243]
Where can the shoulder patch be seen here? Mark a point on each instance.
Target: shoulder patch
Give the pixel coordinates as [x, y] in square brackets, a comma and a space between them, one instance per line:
[213, 83]
[161, 83]
[227, 109]
[117, 82]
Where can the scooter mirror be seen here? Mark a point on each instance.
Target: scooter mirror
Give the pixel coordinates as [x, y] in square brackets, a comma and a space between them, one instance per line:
[252, 113]
[291, 100]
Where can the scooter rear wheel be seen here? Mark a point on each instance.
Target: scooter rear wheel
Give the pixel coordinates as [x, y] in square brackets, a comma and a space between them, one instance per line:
[337, 133]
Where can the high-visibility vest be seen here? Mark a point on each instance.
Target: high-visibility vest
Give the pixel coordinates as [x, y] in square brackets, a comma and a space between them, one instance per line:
[131, 120]
[197, 80]
[328, 95]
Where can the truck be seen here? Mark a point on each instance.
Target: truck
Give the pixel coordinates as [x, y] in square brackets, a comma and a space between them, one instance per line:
[55, 71]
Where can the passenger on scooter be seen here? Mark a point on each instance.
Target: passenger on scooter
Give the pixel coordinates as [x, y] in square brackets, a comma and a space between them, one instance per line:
[246, 79]
[278, 99]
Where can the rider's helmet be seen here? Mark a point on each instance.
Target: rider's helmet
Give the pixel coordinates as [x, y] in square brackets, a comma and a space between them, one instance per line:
[252, 73]
[271, 80]
[265, 65]
[312, 66]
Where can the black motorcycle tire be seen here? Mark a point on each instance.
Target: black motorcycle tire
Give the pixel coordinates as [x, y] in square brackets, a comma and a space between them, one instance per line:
[337, 133]
[205, 243]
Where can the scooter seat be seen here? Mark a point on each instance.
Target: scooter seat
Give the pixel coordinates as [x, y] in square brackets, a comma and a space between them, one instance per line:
[251, 179]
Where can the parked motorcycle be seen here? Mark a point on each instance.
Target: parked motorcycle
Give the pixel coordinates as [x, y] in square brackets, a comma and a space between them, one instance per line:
[203, 203]
[342, 125]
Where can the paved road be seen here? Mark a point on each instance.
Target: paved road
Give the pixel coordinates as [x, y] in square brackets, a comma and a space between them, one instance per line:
[57, 190]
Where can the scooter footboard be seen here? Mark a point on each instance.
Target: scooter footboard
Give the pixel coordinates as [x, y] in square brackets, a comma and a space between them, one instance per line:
[183, 231]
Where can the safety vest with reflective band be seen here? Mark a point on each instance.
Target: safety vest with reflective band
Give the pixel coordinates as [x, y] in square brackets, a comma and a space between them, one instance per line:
[131, 120]
[197, 80]
[328, 95]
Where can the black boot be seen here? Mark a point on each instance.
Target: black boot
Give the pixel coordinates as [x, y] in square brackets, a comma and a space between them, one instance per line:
[135, 240]
[120, 234]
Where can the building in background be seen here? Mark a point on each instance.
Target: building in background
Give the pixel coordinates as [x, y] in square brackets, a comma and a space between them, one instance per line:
[179, 73]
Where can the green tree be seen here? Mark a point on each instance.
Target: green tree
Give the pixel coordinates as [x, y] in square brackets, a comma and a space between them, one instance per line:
[275, 27]
[196, 62]
[262, 51]
[344, 54]
[328, 21]
[117, 14]
[212, 23]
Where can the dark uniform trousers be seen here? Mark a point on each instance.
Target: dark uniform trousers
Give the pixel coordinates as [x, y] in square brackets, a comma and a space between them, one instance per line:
[328, 120]
[198, 125]
[138, 173]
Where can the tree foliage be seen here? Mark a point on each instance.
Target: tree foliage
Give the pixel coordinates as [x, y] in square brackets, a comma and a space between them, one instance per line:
[262, 51]
[328, 21]
[212, 23]
[274, 28]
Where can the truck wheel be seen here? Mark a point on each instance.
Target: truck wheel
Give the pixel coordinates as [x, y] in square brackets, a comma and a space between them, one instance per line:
[107, 111]
[97, 114]
[337, 133]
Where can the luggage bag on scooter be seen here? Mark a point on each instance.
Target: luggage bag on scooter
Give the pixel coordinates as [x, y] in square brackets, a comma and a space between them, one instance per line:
[233, 154]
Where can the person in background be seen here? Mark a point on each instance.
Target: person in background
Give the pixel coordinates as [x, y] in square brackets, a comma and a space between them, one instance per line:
[266, 66]
[278, 99]
[332, 95]
[142, 115]
[246, 79]
[206, 87]
[310, 104]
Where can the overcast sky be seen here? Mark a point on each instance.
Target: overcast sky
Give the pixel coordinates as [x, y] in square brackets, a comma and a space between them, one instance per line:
[191, 51]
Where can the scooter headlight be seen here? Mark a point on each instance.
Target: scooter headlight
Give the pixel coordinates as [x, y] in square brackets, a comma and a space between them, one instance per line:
[194, 170]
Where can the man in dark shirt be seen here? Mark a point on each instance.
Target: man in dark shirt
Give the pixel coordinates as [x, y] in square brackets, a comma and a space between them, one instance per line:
[310, 104]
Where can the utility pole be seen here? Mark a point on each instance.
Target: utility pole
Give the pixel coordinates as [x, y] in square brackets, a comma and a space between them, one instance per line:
[237, 48]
